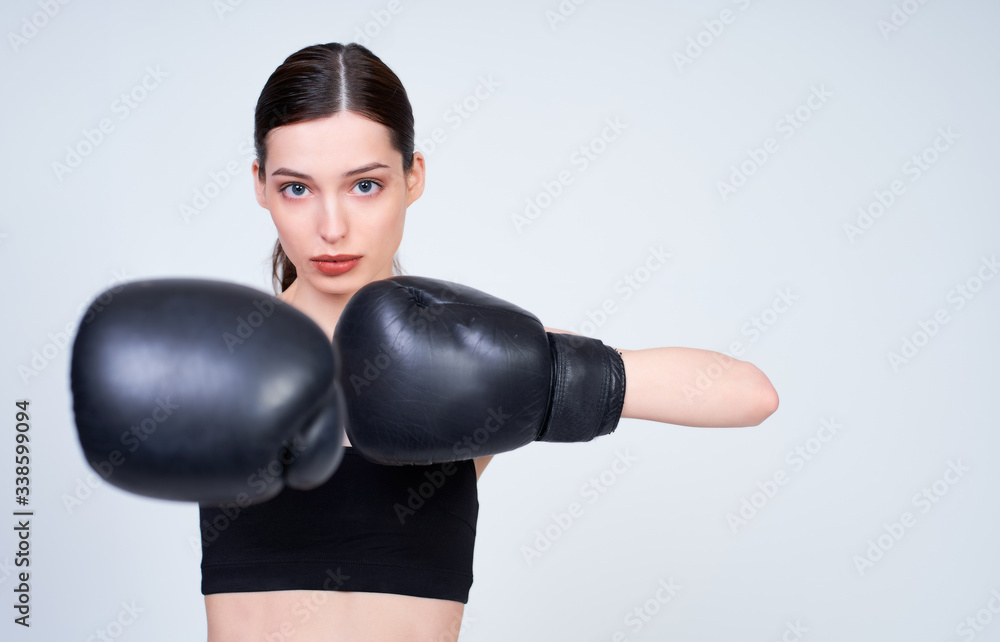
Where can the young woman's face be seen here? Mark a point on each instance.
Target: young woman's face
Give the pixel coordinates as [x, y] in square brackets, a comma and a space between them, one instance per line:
[335, 189]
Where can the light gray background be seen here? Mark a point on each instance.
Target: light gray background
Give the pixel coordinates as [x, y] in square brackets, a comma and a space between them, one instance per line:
[118, 215]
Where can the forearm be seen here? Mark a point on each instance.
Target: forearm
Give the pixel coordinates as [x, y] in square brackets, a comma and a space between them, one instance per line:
[691, 387]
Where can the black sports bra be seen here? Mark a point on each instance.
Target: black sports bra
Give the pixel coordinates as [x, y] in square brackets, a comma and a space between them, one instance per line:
[409, 530]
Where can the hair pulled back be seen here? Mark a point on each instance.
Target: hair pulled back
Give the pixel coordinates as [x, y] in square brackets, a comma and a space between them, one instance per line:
[320, 81]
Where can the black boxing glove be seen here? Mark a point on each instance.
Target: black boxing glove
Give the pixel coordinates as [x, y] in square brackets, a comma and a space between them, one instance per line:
[197, 390]
[435, 371]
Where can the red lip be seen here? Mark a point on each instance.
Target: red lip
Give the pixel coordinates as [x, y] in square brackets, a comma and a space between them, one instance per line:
[335, 257]
[335, 265]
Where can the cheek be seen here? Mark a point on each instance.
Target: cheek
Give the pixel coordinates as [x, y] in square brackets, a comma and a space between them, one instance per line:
[291, 233]
[386, 229]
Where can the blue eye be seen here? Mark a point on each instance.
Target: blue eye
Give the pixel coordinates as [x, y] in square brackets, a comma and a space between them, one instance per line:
[298, 190]
[367, 187]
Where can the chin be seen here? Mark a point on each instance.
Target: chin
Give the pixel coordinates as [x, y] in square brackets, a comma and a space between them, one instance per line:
[344, 284]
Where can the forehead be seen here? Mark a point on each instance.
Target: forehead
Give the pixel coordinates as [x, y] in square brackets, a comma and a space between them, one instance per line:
[336, 143]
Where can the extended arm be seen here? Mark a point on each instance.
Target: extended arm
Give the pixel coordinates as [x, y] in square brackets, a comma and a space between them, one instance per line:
[692, 387]
[439, 371]
[689, 387]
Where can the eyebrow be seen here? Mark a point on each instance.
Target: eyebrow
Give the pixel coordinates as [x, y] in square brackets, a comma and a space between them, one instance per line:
[284, 171]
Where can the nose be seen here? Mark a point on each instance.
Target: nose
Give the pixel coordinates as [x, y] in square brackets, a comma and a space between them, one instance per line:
[332, 223]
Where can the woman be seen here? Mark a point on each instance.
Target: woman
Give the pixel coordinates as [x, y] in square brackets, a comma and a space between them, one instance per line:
[336, 168]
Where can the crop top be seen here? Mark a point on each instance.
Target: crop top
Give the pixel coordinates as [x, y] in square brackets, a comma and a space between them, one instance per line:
[409, 530]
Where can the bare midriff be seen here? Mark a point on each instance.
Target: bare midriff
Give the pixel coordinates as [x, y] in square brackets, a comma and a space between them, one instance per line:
[330, 616]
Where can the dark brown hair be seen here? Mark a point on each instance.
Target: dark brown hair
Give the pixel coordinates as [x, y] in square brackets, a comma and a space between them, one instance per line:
[322, 80]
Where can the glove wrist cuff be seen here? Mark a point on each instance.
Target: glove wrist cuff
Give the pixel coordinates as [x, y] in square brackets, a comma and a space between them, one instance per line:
[588, 389]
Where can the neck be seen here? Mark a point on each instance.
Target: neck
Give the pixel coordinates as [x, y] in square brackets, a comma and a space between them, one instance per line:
[323, 308]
